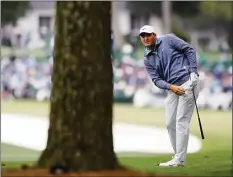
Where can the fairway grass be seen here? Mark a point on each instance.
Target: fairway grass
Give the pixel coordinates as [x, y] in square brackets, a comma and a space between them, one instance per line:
[17, 154]
[214, 159]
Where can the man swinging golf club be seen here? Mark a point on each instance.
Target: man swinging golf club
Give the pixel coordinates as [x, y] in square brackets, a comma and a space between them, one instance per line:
[171, 64]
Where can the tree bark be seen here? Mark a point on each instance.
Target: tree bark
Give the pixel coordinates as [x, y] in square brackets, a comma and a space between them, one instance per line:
[80, 131]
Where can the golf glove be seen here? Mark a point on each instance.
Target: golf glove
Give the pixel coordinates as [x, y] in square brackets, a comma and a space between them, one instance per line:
[193, 80]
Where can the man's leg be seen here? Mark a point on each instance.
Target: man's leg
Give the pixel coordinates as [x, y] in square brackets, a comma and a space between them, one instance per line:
[185, 109]
[171, 104]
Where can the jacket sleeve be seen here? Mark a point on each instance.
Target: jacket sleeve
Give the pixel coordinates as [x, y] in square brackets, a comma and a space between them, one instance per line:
[156, 79]
[187, 49]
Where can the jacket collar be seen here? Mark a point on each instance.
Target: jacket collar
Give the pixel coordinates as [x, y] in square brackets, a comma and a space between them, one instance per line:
[147, 51]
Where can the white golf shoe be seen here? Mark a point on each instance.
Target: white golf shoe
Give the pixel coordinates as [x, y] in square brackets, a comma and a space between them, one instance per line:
[172, 163]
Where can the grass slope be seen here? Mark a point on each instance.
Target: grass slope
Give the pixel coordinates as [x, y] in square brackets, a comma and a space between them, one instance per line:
[214, 159]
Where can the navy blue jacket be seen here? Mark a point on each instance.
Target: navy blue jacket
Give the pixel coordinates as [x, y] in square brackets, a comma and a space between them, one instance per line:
[170, 62]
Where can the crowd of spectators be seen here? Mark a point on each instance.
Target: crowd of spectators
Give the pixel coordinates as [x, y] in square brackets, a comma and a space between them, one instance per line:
[31, 78]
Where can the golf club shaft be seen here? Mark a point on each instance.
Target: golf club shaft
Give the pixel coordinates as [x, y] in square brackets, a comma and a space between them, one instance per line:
[198, 116]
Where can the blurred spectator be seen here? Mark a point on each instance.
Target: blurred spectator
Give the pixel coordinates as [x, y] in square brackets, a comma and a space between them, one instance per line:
[29, 77]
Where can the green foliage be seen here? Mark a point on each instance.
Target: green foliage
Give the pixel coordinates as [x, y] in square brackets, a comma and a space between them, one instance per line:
[186, 8]
[178, 31]
[221, 13]
[12, 10]
[139, 8]
[155, 7]
[217, 9]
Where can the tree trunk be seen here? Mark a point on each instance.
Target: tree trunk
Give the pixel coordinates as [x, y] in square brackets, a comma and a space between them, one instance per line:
[80, 131]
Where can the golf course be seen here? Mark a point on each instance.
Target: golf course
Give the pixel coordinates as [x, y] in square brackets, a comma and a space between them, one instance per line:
[214, 158]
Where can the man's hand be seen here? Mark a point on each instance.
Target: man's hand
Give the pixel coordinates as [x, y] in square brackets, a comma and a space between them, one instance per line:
[177, 89]
[193, 79]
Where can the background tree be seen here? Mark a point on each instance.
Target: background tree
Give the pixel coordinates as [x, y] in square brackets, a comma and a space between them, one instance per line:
[217, 9]
[181, 8]
[186, 8]
[198, 15]
[12, 10]
[80, 131]
[221, 14]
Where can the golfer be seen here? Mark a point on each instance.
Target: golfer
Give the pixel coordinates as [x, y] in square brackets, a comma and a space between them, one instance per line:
[171, 64]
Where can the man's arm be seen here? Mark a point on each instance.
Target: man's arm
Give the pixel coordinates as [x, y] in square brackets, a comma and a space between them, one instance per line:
[155, 76]
[161, 83]
[187, 49]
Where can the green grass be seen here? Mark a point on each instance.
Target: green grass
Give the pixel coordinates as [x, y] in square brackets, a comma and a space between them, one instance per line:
[214, 159]
[16, 154]
[38, 53]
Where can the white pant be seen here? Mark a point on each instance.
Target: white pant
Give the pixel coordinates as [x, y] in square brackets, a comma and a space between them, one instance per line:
[178, 113]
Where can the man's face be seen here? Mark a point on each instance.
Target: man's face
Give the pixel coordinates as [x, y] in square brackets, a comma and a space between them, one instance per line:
[148, 39]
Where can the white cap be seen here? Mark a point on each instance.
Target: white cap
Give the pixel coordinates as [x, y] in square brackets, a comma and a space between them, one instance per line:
[146, 29]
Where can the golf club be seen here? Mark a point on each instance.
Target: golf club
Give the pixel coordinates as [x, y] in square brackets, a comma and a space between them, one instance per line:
[198, 116]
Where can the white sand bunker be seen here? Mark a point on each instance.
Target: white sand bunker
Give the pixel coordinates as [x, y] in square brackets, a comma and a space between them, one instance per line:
[31, 132]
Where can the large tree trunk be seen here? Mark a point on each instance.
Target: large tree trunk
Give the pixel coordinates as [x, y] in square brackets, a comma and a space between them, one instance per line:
[80, 131]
